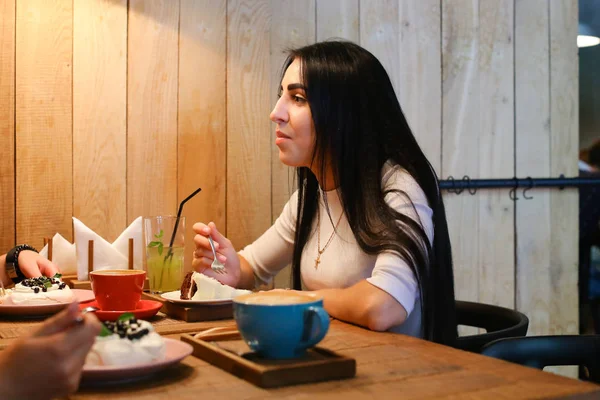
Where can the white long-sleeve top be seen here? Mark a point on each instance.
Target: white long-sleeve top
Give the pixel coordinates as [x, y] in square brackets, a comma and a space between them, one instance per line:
[343, 263]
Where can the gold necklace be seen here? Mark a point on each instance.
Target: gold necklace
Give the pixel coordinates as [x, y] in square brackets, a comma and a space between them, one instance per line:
[319, 250]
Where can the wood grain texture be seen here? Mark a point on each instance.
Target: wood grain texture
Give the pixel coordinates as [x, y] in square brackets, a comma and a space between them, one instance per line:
[532, 105]
[461, 137]
[152, 108]
[496, 146]
[202, 118]
[380, 34]
[293, 25]
[7, 124]
[44, 137]
[249, 138]
[338, 19]
[564, 146]
[99, 115]
[420, 74]
[387, 364]
[564, 154]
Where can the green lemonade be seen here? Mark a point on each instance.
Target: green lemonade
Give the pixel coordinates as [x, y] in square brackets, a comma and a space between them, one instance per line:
[164, 272]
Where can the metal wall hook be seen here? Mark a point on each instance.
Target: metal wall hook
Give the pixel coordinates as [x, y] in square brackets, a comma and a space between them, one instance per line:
[561, 187]
[453, 183]
[471, 188]
[528, 188]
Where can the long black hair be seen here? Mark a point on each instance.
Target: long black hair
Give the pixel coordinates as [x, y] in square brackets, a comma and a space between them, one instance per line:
[359, 126]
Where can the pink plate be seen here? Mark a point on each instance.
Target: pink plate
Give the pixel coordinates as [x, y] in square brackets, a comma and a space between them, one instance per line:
[175, 352]
[30, 310]
[144, 310]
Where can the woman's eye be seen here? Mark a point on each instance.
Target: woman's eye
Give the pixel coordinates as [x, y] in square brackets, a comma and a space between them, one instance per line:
[299, 99]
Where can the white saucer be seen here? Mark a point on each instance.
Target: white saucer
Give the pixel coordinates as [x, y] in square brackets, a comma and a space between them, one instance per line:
[175, 297]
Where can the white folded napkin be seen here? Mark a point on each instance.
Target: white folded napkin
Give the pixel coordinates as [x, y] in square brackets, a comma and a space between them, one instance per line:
[107, 255]
[63, 254]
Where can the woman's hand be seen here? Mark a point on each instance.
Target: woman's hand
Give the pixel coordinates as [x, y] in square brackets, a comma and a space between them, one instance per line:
[48, 362]
[33, 265]
[203, 256]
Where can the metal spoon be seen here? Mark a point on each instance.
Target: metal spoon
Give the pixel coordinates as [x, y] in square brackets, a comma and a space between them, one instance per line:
[79, 319]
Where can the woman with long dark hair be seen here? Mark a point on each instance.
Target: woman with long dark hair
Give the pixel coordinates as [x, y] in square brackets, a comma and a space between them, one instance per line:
[366, 228]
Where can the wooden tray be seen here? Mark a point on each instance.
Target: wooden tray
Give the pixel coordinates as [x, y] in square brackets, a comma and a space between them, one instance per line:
[196, 313]
[230, 353]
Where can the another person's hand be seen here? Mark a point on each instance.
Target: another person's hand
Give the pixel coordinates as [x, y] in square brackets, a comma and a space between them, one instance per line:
[33, 265]
[226, 253]
[48, 362]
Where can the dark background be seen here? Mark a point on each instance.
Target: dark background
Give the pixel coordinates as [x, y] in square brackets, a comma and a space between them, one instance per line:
[589, 76]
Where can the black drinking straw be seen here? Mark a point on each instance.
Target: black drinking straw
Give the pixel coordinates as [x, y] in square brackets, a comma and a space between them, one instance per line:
[170, 254]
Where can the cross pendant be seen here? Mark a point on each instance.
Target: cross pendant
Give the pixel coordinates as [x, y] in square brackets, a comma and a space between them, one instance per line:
[317, 261]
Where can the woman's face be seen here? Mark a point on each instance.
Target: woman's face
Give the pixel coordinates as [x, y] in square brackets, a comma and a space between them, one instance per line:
[295, 134]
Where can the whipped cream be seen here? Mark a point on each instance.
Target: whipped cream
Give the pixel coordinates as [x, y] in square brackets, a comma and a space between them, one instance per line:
[36, 291]
[211, 289]
[132, 342]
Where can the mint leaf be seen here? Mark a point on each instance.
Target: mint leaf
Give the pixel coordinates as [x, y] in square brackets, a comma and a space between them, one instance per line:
[126, 316]
[48, 284]
[160, 234]
[105, 331]
[57, 276]
[157, 244]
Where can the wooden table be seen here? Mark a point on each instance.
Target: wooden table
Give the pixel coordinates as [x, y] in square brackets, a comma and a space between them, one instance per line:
[388, 365]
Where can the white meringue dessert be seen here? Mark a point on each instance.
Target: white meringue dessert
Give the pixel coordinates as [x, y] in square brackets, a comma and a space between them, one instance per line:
[127, 341]
[37, 291]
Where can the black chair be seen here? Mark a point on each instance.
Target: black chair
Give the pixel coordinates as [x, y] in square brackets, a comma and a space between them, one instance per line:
[542, 351]
[499, 322]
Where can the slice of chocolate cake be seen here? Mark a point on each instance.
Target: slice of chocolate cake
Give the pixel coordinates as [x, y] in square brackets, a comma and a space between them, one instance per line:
[188, 287]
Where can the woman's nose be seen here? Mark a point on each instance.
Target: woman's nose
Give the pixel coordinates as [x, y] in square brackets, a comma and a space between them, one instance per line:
[279, 114]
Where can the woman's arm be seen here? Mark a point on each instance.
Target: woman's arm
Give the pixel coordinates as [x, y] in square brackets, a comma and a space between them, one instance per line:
[364, 304]
[246, 274]
[31, 265]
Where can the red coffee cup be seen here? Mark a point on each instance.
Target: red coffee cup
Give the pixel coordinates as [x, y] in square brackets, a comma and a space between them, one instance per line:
[118, 289]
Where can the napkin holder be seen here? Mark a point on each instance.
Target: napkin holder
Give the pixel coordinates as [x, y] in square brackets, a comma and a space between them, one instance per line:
[86, 284]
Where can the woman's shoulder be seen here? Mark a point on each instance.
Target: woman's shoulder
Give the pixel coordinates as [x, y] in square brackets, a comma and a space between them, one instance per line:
[395, 177]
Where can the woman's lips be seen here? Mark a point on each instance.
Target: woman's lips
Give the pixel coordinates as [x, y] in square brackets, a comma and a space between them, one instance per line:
[280, 137]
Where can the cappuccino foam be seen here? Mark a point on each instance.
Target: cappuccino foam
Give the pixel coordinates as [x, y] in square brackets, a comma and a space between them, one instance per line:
[118, 272]
[275, 299]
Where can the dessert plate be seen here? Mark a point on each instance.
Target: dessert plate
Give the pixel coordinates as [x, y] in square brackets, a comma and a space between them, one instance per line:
[81, 296]
[175, 352]
[144, 310]
[175, 297]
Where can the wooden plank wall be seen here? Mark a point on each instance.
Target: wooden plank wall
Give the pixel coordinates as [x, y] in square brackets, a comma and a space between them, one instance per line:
[99, 115]
[7, 124]
[168, 96]
[202, 116]
[43, 119]
[152, 90]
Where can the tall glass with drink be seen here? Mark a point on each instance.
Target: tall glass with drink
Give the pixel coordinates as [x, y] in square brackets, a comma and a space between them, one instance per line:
[164, 241]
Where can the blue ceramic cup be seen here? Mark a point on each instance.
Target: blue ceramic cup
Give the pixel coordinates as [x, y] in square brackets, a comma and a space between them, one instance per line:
[279, 324]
